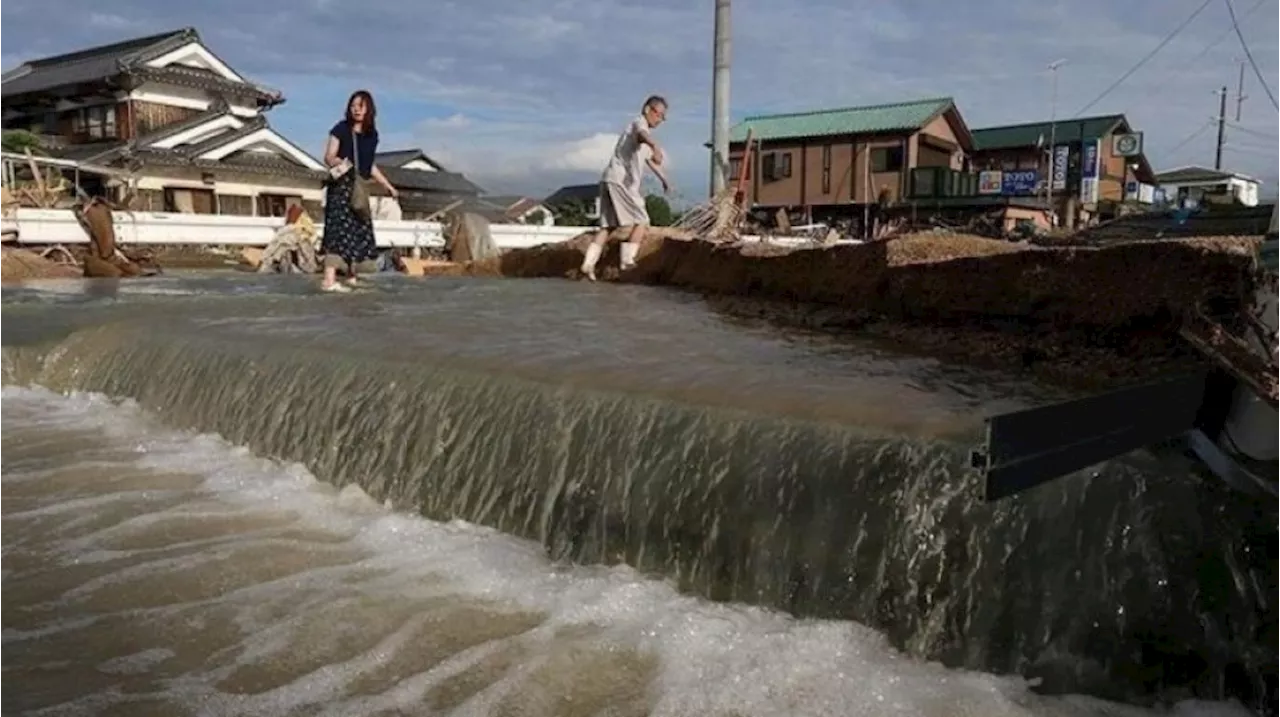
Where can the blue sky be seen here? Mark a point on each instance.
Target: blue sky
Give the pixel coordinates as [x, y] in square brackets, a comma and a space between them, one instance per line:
[526, 96]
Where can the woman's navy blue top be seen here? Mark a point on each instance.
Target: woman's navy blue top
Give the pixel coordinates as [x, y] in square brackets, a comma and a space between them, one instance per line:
[368, 146]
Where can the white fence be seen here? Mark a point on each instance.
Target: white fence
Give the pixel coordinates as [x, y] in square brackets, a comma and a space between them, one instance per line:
[59, 226]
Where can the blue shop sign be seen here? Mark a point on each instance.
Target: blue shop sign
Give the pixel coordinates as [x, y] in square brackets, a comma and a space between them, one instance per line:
[1019, 181]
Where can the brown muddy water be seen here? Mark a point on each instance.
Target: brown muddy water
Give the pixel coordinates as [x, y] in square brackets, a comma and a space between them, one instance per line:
[224, 496]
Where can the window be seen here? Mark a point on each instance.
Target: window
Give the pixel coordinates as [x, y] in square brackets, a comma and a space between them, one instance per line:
[97, 122]
[886, 159]
[275, 205]
[189, 201]
[826, 169]
[776, 165]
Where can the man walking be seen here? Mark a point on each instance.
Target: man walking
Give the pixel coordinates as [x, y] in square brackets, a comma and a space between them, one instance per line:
[621, 203]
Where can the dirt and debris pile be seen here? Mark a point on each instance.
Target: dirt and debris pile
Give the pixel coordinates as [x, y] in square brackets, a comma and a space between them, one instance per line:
[1230, 220]
[21, 265]
[936, 277]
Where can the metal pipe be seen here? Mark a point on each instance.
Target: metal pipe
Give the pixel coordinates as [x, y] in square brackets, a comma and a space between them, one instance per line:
[720, 99]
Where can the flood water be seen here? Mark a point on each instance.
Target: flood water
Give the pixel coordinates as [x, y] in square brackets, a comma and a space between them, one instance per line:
[224, 495]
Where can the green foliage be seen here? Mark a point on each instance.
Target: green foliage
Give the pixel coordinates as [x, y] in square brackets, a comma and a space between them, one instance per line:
[572, 213]
[19, 140]
[660, 213]
[536, 216]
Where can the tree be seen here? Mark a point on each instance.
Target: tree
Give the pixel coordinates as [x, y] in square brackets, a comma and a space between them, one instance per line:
[20, 140]
[572, 213]
[536, 216]
[660, 214]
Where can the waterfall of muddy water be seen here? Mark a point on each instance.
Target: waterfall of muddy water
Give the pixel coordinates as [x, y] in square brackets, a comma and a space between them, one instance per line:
[590, 463]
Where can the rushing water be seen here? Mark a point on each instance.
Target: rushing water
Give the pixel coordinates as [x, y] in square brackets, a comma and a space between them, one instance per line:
[146, 567]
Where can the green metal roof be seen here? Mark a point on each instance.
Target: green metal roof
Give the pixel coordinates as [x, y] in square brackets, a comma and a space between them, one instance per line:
[850, 120]
[1028, 135]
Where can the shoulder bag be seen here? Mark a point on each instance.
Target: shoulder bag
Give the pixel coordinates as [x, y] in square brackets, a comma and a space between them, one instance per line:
[359, 190]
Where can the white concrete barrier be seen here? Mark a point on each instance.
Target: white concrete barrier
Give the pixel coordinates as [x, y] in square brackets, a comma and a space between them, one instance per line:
[59, 226]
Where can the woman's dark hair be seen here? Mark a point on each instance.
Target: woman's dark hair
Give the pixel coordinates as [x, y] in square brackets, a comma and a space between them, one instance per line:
[370, 125]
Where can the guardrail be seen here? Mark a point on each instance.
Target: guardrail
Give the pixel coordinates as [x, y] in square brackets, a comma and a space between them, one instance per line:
[59, 226]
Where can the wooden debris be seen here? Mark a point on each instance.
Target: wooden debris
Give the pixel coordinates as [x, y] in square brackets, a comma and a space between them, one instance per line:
[104, 258]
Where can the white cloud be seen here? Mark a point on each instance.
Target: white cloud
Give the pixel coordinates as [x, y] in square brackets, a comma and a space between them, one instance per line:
[583, 155]
[110, 21]
[455, 121]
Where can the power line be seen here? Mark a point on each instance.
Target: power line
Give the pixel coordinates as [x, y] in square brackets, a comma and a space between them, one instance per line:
[1261, 80]
[1191, 137]
[1229, 29]
[1144, 60]
[1246, 130]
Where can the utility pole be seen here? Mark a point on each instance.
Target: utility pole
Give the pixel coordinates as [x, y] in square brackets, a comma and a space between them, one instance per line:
[720, 99]
[1240, 96]
[1222, 127]
[1053, 135]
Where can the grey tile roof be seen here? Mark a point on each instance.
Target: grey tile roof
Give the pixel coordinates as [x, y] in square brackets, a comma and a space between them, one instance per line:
[91, 64]
[401, 157]
[573, 192]
[1193, 174]
[91, 152]
[120, 152]
[201, 78]
[251, 125]
[240, 161]
[127, 57]
[453, 182]
[506, 201]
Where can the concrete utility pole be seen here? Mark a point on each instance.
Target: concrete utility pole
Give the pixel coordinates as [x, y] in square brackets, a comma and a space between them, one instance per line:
[1053, 134]
[1240, 95]
[720, 99]
[1222, 127]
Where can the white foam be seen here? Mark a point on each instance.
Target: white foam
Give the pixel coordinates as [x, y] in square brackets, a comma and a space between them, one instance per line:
[714, 658]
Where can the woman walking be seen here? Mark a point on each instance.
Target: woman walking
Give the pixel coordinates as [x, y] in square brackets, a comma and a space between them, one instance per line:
[348, 233]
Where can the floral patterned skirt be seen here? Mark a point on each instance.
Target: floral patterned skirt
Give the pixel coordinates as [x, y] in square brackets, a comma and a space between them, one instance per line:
[346, 234]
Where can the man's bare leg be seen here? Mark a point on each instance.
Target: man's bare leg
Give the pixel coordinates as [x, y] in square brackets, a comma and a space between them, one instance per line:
[631, 247]
[594, 250]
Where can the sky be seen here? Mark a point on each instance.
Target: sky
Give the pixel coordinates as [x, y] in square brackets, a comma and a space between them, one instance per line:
[527, 96]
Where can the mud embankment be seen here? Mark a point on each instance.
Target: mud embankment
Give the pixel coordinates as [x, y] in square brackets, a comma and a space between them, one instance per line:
[1087, 316]
[20, 265]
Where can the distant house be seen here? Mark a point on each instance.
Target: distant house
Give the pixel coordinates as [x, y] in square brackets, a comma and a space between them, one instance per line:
[425, 186]
[522, 210]
[1200, 184]
[188, 126]
[584, 195]
[834, 162]
[409, 159]
[1099, 159]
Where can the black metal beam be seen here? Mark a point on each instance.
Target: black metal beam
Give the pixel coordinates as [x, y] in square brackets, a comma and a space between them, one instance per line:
[1026, 448]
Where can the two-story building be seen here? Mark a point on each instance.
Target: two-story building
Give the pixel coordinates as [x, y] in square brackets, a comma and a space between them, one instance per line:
[189, 129]
[832, 163]
[1097, 161]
